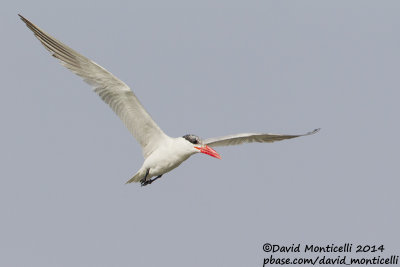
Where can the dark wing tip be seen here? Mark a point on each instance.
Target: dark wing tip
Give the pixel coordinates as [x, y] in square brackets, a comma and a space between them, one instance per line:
[22, 18]
[314, 131]
[26, 21]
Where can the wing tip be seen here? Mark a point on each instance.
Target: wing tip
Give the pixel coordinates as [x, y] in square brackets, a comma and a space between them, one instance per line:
[22, 18]
[29, 24]
[314, 131]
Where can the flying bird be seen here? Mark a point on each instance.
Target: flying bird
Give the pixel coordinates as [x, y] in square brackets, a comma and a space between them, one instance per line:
[161, 153]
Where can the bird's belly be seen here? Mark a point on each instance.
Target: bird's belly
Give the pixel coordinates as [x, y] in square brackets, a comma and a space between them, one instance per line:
[161, 163]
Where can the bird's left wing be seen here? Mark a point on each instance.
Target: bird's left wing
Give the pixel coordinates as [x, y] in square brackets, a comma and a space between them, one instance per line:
[111, 90]
[237, 139]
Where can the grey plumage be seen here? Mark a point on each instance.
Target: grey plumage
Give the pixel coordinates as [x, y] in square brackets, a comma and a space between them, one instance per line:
[237, 139]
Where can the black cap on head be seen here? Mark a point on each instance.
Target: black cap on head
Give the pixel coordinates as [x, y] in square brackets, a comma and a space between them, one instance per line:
[192, 139]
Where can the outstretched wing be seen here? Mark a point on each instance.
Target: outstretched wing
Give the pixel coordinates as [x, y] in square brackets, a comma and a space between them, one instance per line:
[111, 90]
[237, 139]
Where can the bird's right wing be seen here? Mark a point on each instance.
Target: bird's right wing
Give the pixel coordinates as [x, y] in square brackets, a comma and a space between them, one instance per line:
[237, 139]
[111, 90]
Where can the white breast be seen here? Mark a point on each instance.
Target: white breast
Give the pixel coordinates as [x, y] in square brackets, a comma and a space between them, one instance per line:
[168, 156]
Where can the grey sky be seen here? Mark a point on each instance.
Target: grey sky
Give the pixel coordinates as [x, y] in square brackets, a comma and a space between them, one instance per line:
[275, 67]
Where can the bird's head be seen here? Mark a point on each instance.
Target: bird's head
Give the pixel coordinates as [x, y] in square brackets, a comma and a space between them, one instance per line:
[200, 147]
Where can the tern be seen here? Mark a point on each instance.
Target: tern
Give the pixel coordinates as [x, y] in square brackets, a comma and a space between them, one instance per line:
[161, 153]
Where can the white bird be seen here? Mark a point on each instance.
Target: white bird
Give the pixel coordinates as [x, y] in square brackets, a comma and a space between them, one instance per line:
[161, 152]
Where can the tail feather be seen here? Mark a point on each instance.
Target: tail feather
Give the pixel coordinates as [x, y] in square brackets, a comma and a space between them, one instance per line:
[136, 178]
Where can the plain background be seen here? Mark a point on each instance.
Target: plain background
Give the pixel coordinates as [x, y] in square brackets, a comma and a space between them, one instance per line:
[210, 69]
